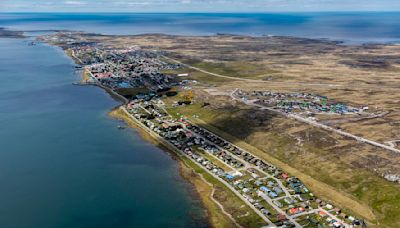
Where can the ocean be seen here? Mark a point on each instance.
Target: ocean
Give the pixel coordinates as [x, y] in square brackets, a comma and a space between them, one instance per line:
[64, 163]
[350, 27]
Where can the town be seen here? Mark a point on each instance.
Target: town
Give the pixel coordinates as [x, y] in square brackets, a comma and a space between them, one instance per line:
[280, 199]
[307, 103]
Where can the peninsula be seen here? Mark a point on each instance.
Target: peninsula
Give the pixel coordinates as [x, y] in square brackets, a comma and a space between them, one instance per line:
[272, 131]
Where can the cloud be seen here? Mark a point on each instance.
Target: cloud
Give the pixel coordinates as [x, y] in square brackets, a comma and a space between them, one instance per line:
[196, 5]
[127, 4]
[75, 3]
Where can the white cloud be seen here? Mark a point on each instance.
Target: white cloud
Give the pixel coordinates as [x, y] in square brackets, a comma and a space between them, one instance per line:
[143, 3]
[196, 5]
[75, 3]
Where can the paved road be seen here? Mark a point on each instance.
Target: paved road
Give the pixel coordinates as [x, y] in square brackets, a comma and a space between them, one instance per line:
[341, 86]
[248, 165]
[316, 124]
[323, 210]
[98, 83]
[278, 209]
[247, 79]
[208, 171]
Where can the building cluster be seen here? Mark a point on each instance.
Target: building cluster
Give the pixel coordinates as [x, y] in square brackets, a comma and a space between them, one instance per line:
[276, 196]
[128, 68]
[301, 102]
[132, 69]
[282, 198]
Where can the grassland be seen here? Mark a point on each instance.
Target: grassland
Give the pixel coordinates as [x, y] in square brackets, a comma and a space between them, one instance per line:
[85, 76]
[361, 192]
[237, 69]
[336, 168]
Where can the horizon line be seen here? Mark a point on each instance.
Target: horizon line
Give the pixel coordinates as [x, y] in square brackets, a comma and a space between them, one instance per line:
[212, 12]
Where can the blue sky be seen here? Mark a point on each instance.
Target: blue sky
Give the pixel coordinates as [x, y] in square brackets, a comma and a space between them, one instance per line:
[196, 5]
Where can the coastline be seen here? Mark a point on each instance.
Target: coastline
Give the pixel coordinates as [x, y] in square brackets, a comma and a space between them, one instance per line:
[216, 215]
[186, 170]
[204, 190]
[110, 91]
[5, 33]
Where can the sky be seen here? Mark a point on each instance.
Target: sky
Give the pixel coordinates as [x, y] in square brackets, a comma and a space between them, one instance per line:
[197, 5]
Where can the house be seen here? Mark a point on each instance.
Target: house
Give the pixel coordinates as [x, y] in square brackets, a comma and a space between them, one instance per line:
[337, 210]
[281, 217]
[265, 189]
[278, 190]
[273, 194]
[337, 224]
[289, 200]
[236, 174]
[321, 213]
[293, 211]
[265, 212]
[254, 175]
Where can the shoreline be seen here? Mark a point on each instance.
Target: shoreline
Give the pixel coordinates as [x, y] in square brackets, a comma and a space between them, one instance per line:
[12, 34]
[203, 189]
[216, 216]
[155, 139]
[338, 41]
[186, 170]
[110, 91]
[199, 184]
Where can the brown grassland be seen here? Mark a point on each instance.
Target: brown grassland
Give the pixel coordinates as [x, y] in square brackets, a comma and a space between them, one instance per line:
[336, 168]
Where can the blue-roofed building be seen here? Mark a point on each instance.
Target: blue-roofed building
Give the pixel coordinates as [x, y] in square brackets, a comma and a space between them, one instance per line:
[273, 194]
[265, 189]
[124, 85]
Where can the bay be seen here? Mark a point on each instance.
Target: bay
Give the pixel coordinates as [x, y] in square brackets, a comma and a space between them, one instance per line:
[64, 163]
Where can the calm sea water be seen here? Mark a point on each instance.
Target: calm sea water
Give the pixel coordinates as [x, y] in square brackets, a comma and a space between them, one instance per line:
[349, 27]
[64, 163]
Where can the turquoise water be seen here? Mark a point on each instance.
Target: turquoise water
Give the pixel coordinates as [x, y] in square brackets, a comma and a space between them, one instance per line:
[64, 163]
